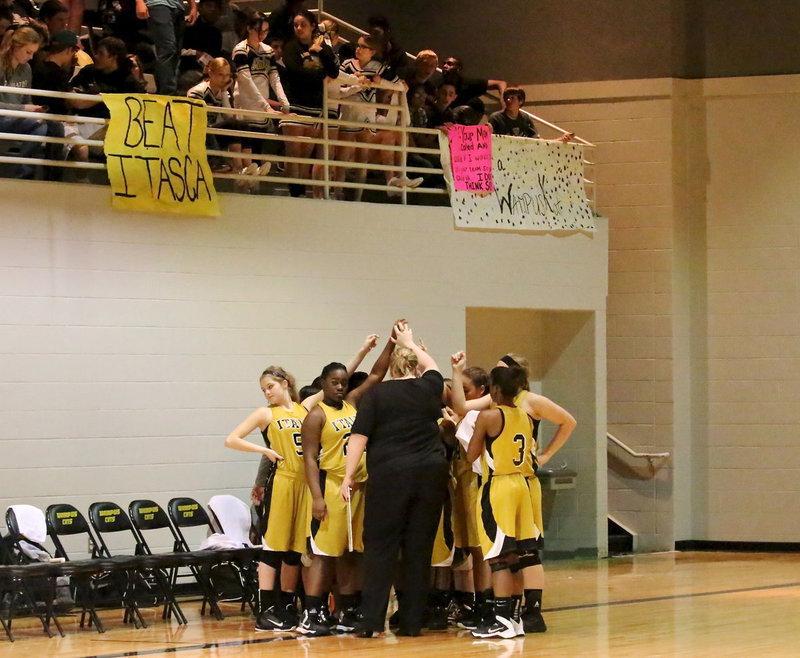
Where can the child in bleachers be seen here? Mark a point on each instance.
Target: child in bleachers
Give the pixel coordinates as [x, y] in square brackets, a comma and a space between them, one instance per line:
[214, 92]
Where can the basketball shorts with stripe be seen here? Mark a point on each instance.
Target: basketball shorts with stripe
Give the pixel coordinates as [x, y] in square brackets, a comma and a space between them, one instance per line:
[287, 509]
[505, 517]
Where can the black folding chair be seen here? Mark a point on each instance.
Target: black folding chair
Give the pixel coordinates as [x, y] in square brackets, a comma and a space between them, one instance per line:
[28, 580]
[109, 518]
[147, 516]
[188, 513]
[6, 584]
[89, 578]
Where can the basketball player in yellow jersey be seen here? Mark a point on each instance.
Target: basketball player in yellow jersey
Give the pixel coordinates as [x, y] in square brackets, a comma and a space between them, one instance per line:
[503, 439]
[325, 433]
[285, 539]
[538, 408]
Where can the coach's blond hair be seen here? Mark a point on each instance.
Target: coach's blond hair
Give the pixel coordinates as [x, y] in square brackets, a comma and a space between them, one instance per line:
[403, 363]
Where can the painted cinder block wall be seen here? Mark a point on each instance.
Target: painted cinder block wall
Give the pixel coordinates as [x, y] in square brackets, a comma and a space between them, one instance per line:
[132, 344]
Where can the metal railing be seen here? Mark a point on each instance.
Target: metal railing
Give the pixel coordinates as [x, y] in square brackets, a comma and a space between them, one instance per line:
[328, 140]
[649, 456]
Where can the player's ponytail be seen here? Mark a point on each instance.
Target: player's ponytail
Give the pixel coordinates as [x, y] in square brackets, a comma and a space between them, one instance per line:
[508, 380]
[513, 359]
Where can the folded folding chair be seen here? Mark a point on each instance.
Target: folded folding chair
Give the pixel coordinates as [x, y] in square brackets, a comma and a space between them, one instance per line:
[107, 518]
[147, 516]
[94, 578]
[30, 579]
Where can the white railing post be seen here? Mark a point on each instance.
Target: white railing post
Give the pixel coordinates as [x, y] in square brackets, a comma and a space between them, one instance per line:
[326, 147]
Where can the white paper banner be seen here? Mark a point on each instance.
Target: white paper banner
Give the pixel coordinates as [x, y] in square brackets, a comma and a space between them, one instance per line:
[538, 187]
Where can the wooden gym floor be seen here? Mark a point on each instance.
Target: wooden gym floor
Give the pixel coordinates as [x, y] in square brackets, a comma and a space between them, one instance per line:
[667, 604]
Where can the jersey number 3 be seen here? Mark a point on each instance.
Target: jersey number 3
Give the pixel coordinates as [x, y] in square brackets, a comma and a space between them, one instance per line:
[520, 439]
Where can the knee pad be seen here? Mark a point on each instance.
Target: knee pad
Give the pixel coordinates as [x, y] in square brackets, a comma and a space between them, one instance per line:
[499, 566]
[270, 558]
[532, 560]
[292, 558]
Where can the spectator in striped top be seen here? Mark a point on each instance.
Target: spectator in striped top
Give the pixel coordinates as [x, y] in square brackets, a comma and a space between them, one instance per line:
[214, 92]
[369, 72]
[256, 74]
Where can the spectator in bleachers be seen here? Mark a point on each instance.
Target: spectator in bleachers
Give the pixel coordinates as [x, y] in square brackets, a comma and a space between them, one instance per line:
[166, 23]
[277, 44]
[509, 120]
[469, 114]
[214, 92]
[111, 73]
[202, 42]
[16, 50]
[441, 113]
[425, 65]
[137, 71]
[342, 49]
[468, 88]
[281, 21]
[397, 63]
[370, 71]
[309, 61]
[256, 76]
[23, 10]
[6, 19]
[54, 15]
[51, 71]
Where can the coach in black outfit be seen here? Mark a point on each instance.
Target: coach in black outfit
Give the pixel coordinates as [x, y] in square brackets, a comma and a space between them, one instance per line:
[407, 483]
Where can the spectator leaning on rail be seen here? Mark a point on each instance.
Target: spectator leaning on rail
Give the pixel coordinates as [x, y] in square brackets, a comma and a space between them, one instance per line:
[512, 121]
[16, 50]
[111, 73]
[509, 120]
[467, 88]
[166, 22]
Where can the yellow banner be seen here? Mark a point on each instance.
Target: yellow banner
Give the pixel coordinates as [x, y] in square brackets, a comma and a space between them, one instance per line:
[156, 155]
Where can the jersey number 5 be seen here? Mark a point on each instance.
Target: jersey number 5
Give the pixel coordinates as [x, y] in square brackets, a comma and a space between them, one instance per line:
[298, 443]
[520, 439]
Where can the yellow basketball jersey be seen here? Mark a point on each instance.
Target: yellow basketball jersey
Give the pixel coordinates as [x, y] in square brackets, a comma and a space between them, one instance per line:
[283, 436]
[460, 464]
[512, 450]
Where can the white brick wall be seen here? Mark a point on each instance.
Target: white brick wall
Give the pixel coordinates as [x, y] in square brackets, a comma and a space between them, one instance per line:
[132, 344]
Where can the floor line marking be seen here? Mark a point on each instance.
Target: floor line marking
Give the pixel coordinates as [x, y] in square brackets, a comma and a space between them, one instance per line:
[267, 640]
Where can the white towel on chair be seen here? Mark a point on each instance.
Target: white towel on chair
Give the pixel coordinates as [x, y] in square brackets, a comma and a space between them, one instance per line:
[31, 522]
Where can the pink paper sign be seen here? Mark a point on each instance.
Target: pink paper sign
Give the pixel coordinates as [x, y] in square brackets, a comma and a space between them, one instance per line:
[471, 158]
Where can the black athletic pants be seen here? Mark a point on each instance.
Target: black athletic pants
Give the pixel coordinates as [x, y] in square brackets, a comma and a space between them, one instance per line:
[400, 521]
